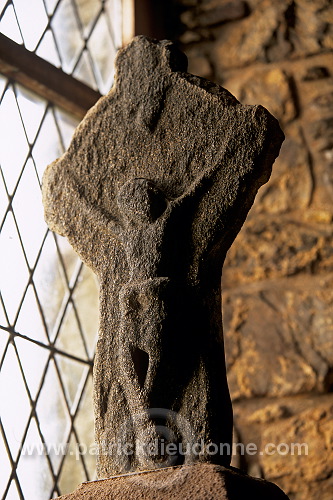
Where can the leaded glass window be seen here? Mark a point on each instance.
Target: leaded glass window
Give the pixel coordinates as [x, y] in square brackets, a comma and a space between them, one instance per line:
[48, 298]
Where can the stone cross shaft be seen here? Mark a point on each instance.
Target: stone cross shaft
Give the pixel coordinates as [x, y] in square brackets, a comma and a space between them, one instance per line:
[152, 191]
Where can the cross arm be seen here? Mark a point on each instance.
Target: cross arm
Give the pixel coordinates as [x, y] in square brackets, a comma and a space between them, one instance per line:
[68, 212]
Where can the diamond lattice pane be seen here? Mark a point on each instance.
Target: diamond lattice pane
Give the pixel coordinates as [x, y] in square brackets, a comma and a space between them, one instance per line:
[32, 19]
[29, 322]
[48, 50]
[3, 318]
[14, 400]
[113, 9]
[2, 5]
[66, 124]
[88, 13]
[48, 145]
[84, 425]
[53, 416]
[85, 297]
[72, 472]
[70, 338]
[46, 294]
[13, 493]
[63, 22]
[69, 258]
[13, 268]
[58, 31]
[3, 200]
[103, 51]
[14, 146]
[3, 341]
[28, 210]
[33, 360]
[84, 70]
[51, 285]
[9, 25]
[73, 376]
[50, 5]
[32, 109]
[33, 463]
[5, 467]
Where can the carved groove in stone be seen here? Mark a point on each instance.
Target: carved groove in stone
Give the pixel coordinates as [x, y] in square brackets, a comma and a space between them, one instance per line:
[141, 362]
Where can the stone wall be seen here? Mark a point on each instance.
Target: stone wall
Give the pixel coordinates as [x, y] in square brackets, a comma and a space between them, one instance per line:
[278, 276]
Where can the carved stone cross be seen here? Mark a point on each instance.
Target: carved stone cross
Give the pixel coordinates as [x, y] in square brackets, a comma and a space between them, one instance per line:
[151, 193]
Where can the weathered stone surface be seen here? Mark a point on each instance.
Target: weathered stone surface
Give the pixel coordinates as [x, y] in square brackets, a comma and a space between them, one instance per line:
[314, 428]
[312, 29]
[152, 191]
[190, 36]
[275, 88]
[314, 94]
[316, 73]
[317, 103]
[270, 248]
[239, 44]
[292, 184]
[212, 13]
[294, 436]
[279, 341]
[282, 30]
[196, 482]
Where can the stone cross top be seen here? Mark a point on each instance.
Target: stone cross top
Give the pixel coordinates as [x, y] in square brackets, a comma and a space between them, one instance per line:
[151, 193]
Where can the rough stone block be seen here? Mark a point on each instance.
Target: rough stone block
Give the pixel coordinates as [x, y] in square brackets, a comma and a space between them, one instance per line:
[274, 88]
[279, 341]
[270, 248]
[211, 13]
[292, 185]
[312, 26]
[294, 437]
[197, 482]
[239, 44]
